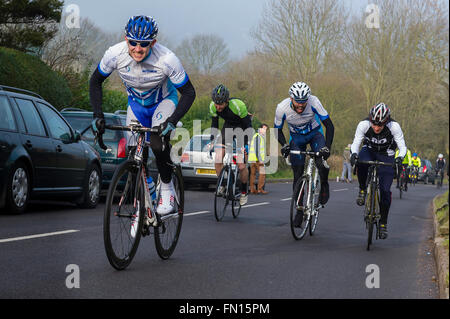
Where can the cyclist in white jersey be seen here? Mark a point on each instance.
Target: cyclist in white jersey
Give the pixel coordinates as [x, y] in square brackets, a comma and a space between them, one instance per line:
[303, 112]
[152, 74]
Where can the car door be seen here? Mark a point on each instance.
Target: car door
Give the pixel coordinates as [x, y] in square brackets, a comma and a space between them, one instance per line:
[8, 131]
[70, 159]
[38, 145]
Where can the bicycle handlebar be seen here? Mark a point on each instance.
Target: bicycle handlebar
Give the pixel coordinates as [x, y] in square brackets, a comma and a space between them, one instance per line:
[310, 153]
[376, 163]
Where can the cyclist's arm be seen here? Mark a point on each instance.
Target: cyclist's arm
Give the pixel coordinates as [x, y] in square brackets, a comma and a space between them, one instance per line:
[187, 92]
[280, 117]
[95, 92]
[397, 132]
[329, 135]
[361, 130]
[325, 119]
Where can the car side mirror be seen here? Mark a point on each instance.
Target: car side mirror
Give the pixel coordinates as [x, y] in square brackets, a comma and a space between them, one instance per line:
[66, 138]
[76, 136]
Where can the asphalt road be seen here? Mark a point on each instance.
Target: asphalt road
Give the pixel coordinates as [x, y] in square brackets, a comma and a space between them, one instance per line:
[253, 256]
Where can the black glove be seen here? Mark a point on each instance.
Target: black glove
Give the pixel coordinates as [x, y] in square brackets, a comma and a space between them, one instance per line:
[285, 150]
[353, 159]
[165, 128]
[98, 125]
[398, 161]
[324, 152]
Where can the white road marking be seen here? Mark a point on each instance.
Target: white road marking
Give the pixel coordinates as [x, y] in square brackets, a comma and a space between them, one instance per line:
[198, 213]
[340, 190]
[257, 204]
[284, 199]
[38, 236]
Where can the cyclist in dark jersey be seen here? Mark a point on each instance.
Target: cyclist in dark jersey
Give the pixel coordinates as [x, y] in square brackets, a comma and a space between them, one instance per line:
[380, 135]
[236, 116]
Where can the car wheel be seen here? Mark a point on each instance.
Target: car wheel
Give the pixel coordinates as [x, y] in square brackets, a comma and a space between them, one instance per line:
[91, 190]
[18, 191]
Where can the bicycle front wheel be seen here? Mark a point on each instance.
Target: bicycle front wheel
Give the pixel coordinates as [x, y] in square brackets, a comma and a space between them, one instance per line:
[236, 188]
[124, 215]
[168, 232]
[315, 204]
[371, 216]
[299, 215]
[221, 196]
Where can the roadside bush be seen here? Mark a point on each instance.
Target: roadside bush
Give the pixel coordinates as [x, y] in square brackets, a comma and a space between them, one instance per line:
[28, 72]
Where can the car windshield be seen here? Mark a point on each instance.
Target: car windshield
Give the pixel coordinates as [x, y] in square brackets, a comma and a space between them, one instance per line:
[80, 123]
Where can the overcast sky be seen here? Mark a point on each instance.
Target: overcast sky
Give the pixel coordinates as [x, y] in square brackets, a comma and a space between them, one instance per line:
[177, 19]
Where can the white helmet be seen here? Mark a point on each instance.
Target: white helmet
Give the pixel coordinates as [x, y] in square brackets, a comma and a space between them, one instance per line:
[440, 156]
[379, 114]
[300, 92]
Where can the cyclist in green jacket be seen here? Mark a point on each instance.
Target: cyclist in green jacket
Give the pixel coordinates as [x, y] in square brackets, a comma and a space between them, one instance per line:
[235, 114]
[407, 163]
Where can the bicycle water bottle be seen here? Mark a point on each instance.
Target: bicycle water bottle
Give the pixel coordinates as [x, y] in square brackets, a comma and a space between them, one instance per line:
[151, 188]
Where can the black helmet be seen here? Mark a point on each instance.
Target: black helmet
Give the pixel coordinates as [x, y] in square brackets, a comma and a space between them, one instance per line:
[220, 94]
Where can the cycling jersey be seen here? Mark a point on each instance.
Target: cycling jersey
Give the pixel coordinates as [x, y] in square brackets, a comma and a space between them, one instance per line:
[440, 164]
[406, 159]
[235, 115]
[384, 143]
[416, 162]
[147, 82]
[304, 122]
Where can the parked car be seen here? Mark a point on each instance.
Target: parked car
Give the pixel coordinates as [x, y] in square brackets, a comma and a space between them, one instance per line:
[116, 142]
[426, 172]
[197, 163]
[41, 155]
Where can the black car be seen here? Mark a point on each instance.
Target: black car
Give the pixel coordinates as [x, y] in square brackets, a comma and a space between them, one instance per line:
[426, 172]
[115, 141]
[41, 156]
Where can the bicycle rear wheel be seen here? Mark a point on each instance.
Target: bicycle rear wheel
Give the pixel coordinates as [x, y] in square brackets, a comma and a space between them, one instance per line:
[168, 231]
[221, 198]
[124, 208]
[299, 205]
[315, 204]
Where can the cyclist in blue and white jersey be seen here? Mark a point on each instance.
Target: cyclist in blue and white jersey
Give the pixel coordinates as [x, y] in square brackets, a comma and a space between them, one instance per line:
[152, 74]
[300, 111]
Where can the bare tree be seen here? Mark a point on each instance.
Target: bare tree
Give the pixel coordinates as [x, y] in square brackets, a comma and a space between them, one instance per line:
[203, 53]
[301, 35]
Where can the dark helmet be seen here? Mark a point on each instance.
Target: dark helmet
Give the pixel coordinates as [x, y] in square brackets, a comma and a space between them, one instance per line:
[220, 94]
[379, 114]
[141, 28]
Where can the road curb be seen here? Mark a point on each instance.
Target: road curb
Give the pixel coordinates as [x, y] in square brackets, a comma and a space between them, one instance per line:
[440, 255]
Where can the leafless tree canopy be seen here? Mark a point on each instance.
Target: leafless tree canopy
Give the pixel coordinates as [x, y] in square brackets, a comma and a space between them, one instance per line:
[203, 53]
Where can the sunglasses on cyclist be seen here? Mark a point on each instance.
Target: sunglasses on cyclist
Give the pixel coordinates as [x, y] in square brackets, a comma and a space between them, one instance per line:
[142, 44]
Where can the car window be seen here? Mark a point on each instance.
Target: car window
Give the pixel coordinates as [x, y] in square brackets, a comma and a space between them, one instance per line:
[79, 123]
[33, 121]
[198, 144]
[6, 116]
[58, 128]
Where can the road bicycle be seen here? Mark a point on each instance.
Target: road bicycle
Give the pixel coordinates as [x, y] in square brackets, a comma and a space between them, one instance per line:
[306, 197]
[372, 203]
[129, 205]
[402, 182]
[228, 187]
[414, 175]
[439, 177]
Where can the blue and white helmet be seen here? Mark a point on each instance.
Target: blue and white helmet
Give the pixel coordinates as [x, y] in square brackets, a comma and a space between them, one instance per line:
[141, 28]
[300, 92]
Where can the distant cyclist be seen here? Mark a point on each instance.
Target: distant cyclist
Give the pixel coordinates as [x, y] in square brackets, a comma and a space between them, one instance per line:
[236, 116]
[440, 165]
[304, 114]
[406, 163]
[380, 136]
[152, 74]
